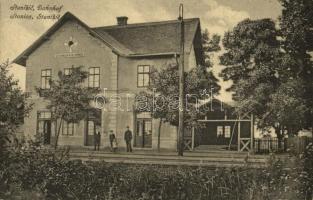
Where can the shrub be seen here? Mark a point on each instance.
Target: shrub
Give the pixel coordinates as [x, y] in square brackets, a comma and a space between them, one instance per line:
[306, 174]
[40, 171]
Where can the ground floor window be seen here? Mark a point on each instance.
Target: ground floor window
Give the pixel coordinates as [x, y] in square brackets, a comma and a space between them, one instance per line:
[227, 131]
[219, 131]
[67, 128]
[223, 131]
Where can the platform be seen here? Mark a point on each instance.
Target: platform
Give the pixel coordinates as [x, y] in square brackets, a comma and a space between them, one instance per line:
[202, 157]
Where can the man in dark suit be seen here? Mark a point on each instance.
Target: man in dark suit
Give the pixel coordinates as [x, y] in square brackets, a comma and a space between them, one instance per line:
[112, 138]
[97, 138]
[128, 136]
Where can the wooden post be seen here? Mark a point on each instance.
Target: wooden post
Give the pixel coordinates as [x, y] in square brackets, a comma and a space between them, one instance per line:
[193, 138]
[239, 133]
[134, 126]
[86, 129]
[252, 134]
[181, 85]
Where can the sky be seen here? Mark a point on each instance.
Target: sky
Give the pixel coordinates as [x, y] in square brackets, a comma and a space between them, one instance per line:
[217, 16]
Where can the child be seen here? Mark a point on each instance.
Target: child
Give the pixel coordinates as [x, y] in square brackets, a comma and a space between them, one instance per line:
[114, 145]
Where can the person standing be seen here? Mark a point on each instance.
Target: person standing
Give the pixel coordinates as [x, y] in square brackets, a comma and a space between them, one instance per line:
[114, 145]
[112, 139]
[97, 138]
[128, 136]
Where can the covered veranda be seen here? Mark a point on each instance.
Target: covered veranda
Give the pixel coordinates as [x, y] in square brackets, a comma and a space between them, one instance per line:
[221, 129]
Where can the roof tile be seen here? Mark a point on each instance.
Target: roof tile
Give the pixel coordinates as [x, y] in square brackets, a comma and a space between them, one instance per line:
[152, 38]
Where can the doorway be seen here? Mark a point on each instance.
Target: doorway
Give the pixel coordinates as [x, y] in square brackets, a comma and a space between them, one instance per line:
[143, 136]
[44, 127]
[92, 126]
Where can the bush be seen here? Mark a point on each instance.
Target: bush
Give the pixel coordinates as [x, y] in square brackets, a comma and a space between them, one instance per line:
[306, 175]
[40, 171]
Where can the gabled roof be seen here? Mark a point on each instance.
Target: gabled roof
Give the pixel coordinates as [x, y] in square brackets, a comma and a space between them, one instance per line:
[106, 38]
[154, 37]
[132, 40]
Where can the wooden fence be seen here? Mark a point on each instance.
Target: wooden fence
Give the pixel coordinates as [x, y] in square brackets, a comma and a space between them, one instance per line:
[293, 145]
[297, 145]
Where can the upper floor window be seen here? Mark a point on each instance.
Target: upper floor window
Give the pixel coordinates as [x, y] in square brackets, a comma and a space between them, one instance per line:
[143, 75]
[94, 77]
[67, 128]
[45, 78]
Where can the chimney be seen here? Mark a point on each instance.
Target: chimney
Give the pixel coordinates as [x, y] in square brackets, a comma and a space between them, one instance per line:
[122, 21]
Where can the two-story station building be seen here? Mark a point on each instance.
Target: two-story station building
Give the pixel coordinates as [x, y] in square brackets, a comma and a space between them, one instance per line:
[118, 59]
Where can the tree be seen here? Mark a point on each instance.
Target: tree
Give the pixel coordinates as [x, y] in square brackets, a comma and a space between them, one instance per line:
[251, 48]
[210, 47]
[13, 106]
[252, 62]
[287, 108]
[296, 28]
[162, 96]
[68, 99]
[262, 81]
[161, 99]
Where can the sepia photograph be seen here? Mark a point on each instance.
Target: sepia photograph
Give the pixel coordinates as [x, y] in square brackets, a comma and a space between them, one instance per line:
[156, 99]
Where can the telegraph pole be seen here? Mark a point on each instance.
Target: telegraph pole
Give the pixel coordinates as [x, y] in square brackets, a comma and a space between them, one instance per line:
[181, 84]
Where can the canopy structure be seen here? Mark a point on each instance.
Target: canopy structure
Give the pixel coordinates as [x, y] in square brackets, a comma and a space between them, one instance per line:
[224, 127]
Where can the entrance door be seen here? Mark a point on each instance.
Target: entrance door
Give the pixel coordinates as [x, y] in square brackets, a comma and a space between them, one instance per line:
[143, 137]
[92, 129]
[47, 132]
[44, 129]
[92, 126]
[44, 126]
[90, 134]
